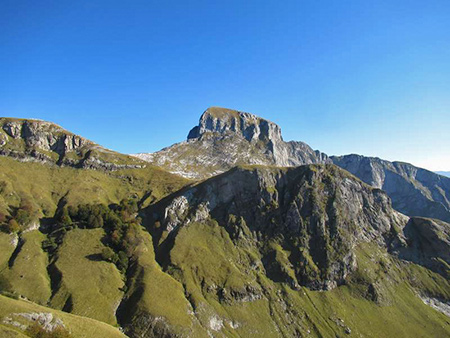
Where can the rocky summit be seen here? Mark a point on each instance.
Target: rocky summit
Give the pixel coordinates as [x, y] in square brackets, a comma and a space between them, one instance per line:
[225, 138]
[231, 233]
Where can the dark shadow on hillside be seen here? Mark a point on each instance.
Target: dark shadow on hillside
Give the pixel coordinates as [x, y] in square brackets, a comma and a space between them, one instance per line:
[95, 257]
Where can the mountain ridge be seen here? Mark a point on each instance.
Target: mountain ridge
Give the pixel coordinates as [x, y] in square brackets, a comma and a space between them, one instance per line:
[43, 141]
[225, 138]
[443, 173]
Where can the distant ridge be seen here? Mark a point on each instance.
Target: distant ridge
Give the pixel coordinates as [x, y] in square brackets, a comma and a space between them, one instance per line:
[443, 173]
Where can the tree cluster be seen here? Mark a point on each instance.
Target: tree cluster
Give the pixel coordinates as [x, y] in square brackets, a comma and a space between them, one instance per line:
[119, 221]
[20, 217]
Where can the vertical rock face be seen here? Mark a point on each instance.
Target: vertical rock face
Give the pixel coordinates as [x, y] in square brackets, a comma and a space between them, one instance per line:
[44, 135]
[428, 244]
[225, 138]
[248, 126]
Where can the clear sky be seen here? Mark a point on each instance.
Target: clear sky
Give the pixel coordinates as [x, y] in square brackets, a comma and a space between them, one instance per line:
[367, 77]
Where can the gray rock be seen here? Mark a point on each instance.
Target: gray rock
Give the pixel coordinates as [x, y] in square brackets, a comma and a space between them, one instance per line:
[414, 191]
[13, 129]
[225, 138]
[427, 242]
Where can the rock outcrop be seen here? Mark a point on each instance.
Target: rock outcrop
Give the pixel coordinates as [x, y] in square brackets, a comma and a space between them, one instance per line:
[42, 141]
[427, 242]
[233, 239]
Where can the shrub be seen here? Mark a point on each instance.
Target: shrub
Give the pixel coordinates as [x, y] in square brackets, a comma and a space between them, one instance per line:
[113, 221]
[37, 331]
[49, 245]
[13, 226]
[63, 218]
[3, 217]
[109, 255]
[73, 211]
[23, 216]
[122, 262]
[95, 221]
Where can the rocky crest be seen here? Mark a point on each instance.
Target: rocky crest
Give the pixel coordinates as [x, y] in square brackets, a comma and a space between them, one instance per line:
[245, 253]
[246, 125]
[36, 140]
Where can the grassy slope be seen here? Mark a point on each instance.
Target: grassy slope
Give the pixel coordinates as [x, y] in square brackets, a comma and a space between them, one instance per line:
[155, 293]
[203, 257]
[28, 274]
[402, 314]
[45, 185]
[7, 332]
[7, 249]
[78, 326]
[90, 287]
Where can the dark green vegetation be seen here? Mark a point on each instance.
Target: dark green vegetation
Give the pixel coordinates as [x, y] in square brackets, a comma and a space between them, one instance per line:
[257, 251]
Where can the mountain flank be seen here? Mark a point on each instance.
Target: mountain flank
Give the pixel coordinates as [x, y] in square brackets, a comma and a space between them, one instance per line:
[271, 238]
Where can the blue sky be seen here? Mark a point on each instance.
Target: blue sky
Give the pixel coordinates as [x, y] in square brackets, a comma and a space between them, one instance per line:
[367, 77]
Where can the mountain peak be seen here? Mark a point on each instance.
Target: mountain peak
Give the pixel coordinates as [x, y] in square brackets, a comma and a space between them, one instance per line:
[229, 121]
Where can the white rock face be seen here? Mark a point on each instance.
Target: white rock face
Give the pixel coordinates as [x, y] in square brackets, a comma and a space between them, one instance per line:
[41, 141]
[249, 126]
[45, 319]
[215, 323]
[437, 305]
